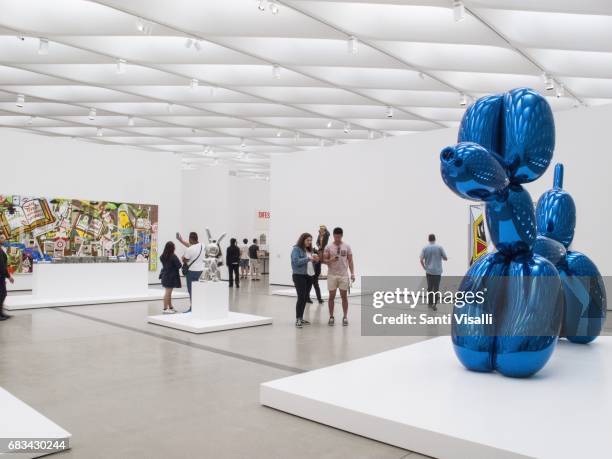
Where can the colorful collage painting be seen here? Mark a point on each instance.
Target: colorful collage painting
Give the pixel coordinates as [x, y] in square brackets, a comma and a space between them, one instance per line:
[47, 229]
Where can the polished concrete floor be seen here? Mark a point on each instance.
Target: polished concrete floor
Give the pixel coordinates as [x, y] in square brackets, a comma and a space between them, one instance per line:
[128, 389]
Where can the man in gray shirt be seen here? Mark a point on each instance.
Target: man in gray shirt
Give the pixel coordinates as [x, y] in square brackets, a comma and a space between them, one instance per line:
[431, 261]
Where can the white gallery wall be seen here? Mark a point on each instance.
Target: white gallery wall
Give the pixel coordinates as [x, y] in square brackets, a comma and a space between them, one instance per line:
[388, 196]
[37, 165]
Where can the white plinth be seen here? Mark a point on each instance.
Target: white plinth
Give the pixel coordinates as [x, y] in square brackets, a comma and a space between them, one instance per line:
[420, 398]
[20, 421]
[324, 292]
[209, 312]
[72, 284]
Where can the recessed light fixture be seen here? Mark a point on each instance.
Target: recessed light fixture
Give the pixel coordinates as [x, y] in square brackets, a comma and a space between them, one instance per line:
[458, 10]
[329, 124]
[463, 100]
[273, 7]
[99, 132]
[92, 114]
[389, 112]
[279, 134]
[560, 91]
[121, 66]
[193, 84]
[347, 128]
[242, 144]
[549, 83]
[43, 46]
[20, 102]
[276, 71]
[353, 45]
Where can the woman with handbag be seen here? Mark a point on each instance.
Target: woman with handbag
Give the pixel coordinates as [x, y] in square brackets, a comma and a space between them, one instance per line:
[301, 259]
[169, 275]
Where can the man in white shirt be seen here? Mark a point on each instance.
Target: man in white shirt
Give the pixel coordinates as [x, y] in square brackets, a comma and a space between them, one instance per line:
[194, 257]
[244, 259]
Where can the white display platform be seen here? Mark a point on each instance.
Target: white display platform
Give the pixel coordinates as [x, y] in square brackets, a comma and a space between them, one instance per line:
[420, 398]
[20, 421]
[209, 312]
[73, 284]
[313, 295]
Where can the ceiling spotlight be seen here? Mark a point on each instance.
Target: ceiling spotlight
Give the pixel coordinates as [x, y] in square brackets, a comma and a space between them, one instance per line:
[389, 112]
[43, 46]
[370, 135]
[463, 100]
[261, 5]
[279, 134]
[144, 26]
[30, 120]
[273, 7]
[458, 10]
[92, 114]
[99, 132]
[549, 83]
[20, 102]
[189, 43]
[276, 71]
[206, 151]
[347, 128]
[560, 91]
[121, 66]
[140, 25]
[194, 83]
[242, 144]
[353, 45]
[329, 124]
[131, 121]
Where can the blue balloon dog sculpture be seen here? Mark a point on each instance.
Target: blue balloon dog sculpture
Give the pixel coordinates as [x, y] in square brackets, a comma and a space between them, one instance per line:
[584, 293]
[505, 141]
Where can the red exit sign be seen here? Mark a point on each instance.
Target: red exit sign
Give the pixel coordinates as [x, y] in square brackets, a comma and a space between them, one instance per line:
[263, 214]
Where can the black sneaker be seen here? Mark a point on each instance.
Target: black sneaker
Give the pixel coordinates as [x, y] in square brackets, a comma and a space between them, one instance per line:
[309, 301]
[298, 323]
[320, 301]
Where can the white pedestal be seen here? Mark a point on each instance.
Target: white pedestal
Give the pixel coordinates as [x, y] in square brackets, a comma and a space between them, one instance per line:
[324, 292]
[209, 312]
[72, 284]
[20, 421]
[420, 398]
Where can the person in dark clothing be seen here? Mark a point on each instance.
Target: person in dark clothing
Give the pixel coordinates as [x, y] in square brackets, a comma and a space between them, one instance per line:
[314, 280]
[4, 275]
[301, 258]
[232, 259]
[169, 275]
[322, 238]
[254, 260]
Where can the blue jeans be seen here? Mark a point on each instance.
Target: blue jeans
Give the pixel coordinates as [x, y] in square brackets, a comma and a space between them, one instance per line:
[191, 277]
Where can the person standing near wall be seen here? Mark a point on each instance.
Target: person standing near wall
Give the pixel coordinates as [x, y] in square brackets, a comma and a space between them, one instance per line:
[170, 275]
[232, 259]
[339, 259]
[4, 275]
[314, 279]
[244, 259]
[193, 260]
[301, 257]
[254, 260]
[431, 261]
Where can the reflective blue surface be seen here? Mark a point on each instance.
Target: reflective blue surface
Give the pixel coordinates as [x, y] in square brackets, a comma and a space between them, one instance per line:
[504, 141]
[584, 293]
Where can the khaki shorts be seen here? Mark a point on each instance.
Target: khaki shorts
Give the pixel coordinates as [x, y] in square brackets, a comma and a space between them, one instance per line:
[334, 282]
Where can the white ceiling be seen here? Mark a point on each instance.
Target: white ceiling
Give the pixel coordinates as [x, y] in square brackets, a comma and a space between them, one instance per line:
[411, 55]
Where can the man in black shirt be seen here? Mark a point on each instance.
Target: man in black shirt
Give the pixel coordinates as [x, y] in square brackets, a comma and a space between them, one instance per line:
[4, 275]
[254, 260]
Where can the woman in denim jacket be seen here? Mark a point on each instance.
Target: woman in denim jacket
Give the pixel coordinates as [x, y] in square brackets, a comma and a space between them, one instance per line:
[300, 258]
